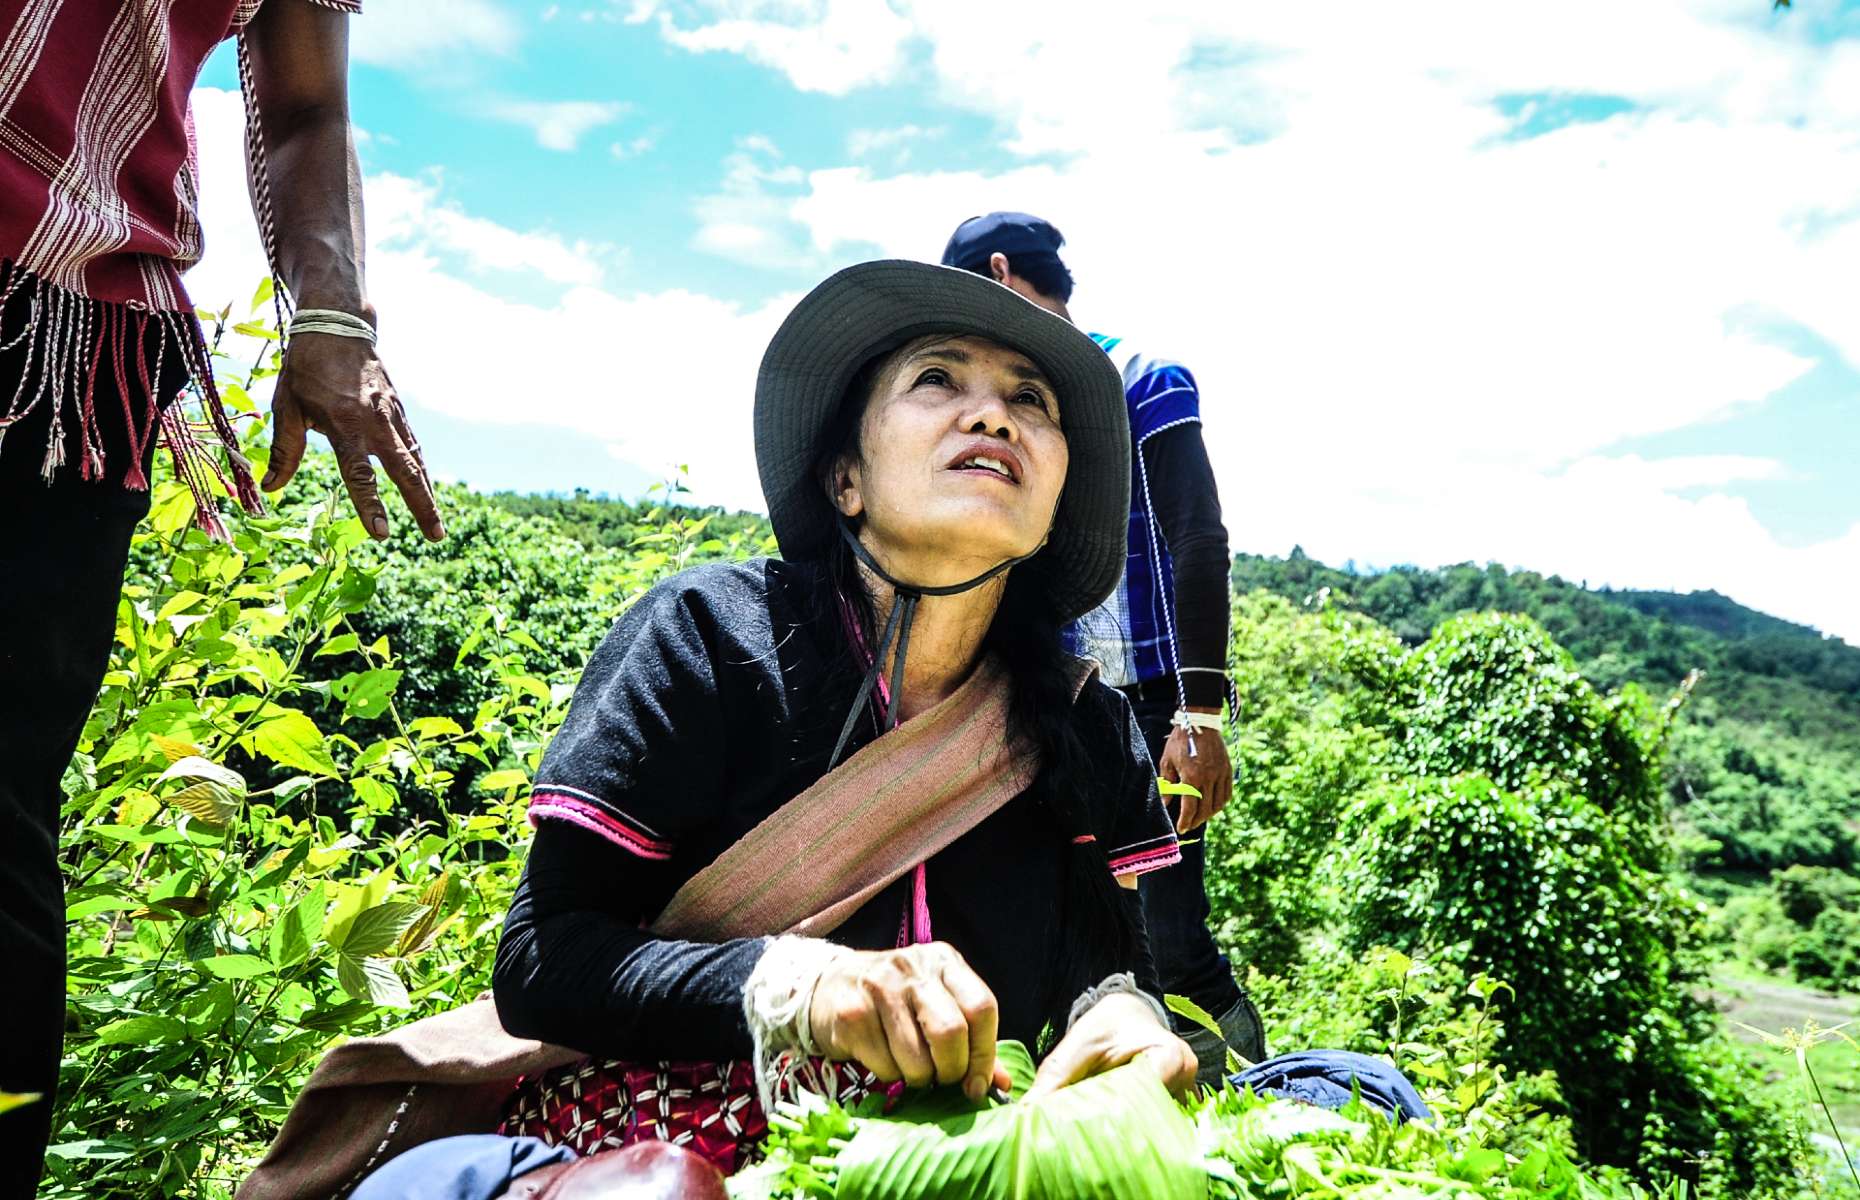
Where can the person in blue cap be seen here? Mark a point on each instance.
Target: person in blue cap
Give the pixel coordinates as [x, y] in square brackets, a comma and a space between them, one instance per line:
[1162, 635]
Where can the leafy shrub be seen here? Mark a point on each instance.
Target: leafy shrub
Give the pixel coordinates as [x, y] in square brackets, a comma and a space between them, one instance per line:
[1758, 929]
[1119, 1134]
[267, 847]
[1522, 838]
[1805, 923]
[1804, 893]
[1307, 737]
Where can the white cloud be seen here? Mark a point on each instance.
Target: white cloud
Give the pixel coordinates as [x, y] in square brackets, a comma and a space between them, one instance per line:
[661, 378]
[409, 213]
[829, 46]
[403, 33]
[1418, 335]
[1420, 338]
[558, 124]
[897, 141]
[634, 147]
[750, 218]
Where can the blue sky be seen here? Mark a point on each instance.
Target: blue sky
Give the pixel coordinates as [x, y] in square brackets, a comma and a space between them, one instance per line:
[1562, 286]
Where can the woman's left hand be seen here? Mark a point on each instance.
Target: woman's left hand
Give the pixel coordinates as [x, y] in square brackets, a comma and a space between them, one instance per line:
[1113, 1031]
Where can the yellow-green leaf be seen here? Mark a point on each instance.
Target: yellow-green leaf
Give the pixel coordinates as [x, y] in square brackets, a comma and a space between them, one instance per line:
[294, 740]
[207, 802]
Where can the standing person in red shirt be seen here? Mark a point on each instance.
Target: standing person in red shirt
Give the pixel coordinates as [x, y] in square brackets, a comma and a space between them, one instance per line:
[98, 218]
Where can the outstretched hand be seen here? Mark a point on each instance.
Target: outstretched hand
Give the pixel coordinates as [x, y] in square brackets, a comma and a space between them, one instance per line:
[338, 387]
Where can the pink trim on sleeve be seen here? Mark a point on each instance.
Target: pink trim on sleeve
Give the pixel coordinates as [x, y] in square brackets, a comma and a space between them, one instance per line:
[555, 806]
[1144, 857]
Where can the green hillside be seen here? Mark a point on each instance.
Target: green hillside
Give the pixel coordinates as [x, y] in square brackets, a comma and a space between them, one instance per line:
[1764, 769]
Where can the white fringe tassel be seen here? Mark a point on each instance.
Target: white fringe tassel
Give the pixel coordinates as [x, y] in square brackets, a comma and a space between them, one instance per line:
[776, 1003]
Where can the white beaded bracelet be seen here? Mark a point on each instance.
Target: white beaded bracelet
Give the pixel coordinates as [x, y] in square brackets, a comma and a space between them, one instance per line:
[1121, 984]
[331, 321]
[1186, 720]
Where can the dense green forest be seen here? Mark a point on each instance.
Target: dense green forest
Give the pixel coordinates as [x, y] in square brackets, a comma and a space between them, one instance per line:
[1474, 817]
[1765, 770]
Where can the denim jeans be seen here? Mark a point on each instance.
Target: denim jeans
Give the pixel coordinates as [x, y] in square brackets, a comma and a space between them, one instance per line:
[1175, 901]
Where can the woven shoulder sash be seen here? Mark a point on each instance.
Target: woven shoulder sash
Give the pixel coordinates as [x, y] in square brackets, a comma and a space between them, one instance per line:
[902, 798]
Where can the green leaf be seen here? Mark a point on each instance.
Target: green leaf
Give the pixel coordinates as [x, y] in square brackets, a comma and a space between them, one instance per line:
[138, 835]
[1182, 1006]
[205, 801]
[375, 929]
[256, 329]
[373, 980]
[1170, 788]
[1019, 1063]
[529, 684]
[180, 602]
[90, 906]
[420, 934]
[336, 1016]
[235, 966]
[497, 781]
[285, 867]
[266, 289]
[1116, 1134]
[355, 591]
[196, 767]
[377, 794]
[12, 1100]
[293, 740]
[297, 929]
[1478, 1165]
[142, 1031]
[365, 694]
[346, 643]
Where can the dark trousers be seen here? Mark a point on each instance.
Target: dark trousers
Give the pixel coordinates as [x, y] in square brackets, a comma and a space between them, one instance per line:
[1175, 899]
[62, 550]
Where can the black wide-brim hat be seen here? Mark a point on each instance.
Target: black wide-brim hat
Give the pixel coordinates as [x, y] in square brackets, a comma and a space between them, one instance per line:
[875, 307]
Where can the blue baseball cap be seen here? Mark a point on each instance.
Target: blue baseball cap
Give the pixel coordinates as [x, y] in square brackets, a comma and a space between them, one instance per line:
[1009, 233]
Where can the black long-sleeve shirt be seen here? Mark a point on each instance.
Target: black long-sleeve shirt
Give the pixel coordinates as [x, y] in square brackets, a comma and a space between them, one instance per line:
[714, 701]
[1188, 509]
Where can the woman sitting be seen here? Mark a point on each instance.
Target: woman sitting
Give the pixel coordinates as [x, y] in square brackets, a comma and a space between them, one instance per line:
[917, 435]
[858, 805]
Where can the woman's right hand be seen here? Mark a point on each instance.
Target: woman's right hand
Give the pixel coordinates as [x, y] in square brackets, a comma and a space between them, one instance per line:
[918, 1013]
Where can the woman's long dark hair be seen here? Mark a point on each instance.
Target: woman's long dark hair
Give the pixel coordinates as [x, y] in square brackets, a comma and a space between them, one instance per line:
[1028, 638]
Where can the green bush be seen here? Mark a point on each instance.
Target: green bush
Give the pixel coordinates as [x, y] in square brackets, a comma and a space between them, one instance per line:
[1522, 836]
[1828, 951]
[1805, 923]
[268, 838]
[1804, 893]
[1308, 734]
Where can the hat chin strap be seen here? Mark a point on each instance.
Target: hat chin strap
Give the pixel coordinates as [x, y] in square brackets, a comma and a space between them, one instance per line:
[898, 624]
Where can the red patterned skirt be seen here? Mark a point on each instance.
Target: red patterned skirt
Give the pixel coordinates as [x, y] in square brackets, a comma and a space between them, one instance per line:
[709, 1108]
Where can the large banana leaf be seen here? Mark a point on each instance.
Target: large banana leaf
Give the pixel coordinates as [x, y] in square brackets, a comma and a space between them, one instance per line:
[1118, 1135]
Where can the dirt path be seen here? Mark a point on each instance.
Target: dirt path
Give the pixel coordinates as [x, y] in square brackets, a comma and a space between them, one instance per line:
[1772, 1005]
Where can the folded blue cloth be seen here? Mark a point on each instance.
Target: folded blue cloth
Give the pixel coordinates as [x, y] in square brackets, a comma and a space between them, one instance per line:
[472, 1166]
[1324, 1078]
